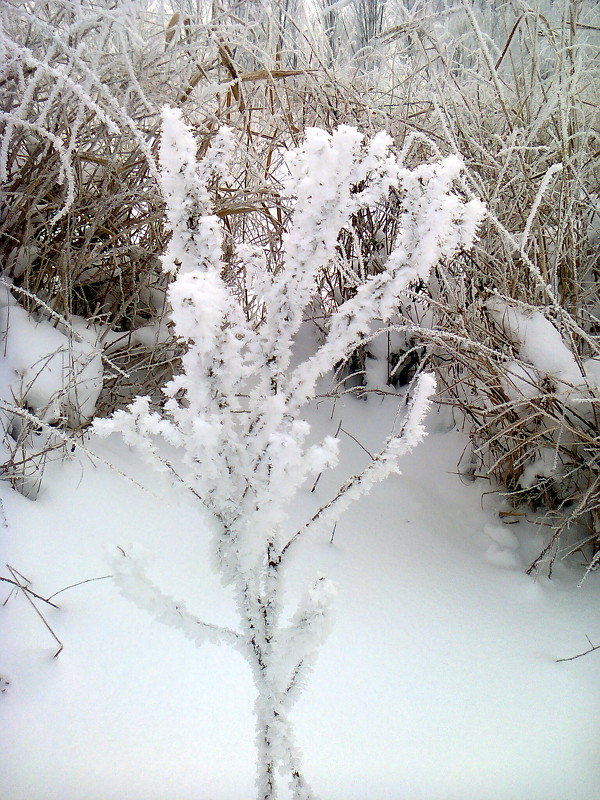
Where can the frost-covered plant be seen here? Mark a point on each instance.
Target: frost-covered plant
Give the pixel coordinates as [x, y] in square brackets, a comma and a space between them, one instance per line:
[513, 87]
[235, 411]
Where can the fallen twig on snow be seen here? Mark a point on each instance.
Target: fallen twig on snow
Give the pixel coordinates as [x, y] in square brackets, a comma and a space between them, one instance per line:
[579, 655]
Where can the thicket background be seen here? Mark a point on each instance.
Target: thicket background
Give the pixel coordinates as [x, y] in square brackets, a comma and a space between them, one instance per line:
[510, 86]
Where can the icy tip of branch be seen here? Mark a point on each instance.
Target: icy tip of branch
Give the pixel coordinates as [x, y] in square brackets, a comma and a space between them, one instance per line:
[420, 404]
[169, 114]
[103, 426]
[177, 144]
[452, 165]
[336, 5]
[125, 561]
[422, 397]
[322, 592]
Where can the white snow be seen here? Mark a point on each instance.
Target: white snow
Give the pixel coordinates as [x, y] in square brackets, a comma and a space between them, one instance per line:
[540, 343]
[545, 357]
[438, 680]
[55, 373]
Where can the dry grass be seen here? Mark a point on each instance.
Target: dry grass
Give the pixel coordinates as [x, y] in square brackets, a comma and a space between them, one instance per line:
[514, 112]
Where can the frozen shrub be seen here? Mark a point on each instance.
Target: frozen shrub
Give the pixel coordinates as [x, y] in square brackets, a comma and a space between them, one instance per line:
[236, 410]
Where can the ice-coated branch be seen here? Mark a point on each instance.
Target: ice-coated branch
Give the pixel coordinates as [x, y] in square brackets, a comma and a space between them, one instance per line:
[325, 172]
[301, 639]
[383, 464]
[197, 235]
[435, 224]
[129, 574]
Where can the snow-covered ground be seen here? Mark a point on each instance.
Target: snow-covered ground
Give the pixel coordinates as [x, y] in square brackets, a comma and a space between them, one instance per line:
[439, 680]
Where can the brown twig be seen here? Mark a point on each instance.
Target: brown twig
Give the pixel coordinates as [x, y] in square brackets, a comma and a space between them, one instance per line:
[339, 427]
[354, 439]
[73, 585]
[27, 589]
[24, 589]
[579, 655]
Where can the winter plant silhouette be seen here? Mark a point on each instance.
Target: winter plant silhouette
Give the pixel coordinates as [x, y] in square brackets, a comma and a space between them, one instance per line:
[235, 411]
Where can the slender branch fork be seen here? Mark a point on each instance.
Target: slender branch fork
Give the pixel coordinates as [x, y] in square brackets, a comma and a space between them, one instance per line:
[580, 655]
[20, 583]
[25, 588]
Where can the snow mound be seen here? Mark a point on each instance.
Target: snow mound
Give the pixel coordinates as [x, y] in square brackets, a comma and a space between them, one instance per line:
[56, 375]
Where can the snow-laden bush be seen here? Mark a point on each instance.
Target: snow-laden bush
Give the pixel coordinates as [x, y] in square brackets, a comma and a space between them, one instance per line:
[235, 411]
[520, 317]
[512, 87]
